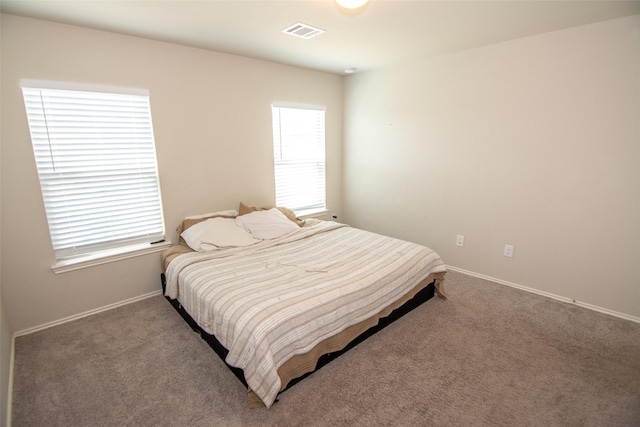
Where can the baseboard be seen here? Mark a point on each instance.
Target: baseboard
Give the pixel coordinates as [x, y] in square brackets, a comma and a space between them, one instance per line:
[86, 313]
[12, 359]
[547, 294]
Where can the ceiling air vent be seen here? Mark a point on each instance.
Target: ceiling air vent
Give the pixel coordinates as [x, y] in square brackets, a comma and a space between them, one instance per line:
[303, 30]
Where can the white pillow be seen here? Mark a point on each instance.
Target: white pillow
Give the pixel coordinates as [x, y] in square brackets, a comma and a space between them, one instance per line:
[267, 224]
[217, 233]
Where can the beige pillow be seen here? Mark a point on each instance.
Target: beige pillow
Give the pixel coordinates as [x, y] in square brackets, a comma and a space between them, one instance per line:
[244, 209]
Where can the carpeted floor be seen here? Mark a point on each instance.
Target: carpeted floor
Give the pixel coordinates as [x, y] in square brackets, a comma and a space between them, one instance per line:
[490, 355]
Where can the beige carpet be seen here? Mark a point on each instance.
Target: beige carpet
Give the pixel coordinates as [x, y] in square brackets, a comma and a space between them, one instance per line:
[490, 355]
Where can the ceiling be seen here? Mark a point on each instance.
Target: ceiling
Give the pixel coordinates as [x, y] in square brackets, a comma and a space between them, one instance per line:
[382, 33]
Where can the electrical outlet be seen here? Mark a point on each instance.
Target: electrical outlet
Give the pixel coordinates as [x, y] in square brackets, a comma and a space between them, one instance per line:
[459, 240]
[508, 250]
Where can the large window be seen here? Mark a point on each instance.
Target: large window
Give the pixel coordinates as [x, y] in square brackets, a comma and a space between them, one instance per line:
[299, 158]
[96, 161]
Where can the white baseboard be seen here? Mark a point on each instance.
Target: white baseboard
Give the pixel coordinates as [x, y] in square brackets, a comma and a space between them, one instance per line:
[12, 359]
[547, 294]
[86, 313]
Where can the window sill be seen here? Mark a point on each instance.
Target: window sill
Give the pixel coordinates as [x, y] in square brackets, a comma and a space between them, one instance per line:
[104, 257]
[312, 213]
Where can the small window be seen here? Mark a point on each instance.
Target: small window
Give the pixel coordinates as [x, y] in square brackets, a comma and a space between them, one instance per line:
[299, 158]
[96, 161]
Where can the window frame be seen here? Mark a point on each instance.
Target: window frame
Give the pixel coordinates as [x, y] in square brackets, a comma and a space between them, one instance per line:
[318, 134]
[122, 245]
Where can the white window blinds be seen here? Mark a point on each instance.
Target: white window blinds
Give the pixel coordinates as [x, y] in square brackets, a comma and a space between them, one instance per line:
[299, 158]
[96, 161]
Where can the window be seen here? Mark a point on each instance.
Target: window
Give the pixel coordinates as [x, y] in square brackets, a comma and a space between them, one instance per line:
[299, 158]
[96, 161]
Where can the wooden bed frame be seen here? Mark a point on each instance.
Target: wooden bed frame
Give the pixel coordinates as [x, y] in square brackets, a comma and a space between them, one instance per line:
[419, 298]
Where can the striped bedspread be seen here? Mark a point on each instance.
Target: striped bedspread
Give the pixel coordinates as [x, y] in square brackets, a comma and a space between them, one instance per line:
[279, 298]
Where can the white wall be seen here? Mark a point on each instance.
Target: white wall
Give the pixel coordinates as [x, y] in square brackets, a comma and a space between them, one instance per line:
[533, 142]
[212, 124]
[6, 333]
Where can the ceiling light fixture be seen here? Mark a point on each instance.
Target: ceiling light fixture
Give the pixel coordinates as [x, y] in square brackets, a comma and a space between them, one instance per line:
[350, 70]
[351, 4]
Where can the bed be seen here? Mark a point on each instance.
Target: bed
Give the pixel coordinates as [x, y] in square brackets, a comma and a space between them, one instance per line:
[276, 296]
